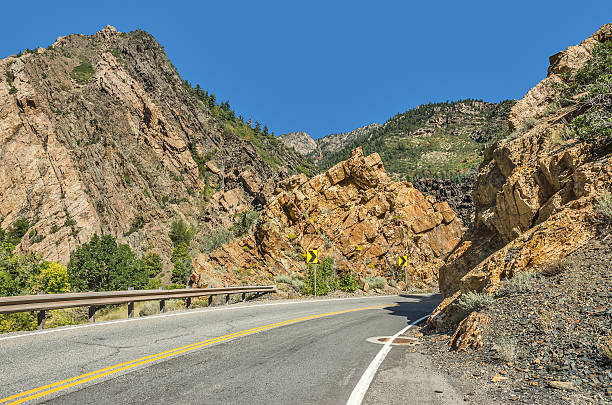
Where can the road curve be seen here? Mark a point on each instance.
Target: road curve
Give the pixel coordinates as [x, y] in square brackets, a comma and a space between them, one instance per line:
[310, 352]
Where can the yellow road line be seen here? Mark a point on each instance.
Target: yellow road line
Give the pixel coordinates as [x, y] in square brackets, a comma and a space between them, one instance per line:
[93, 375]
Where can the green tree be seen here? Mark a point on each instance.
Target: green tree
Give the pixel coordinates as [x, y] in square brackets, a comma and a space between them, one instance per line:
[102, 265]
[153, 264]
[182, 264]
[17, 273]
[180, 232]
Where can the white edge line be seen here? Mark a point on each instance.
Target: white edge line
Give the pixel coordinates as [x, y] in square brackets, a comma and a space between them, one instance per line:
[188, 312]
[366, 379]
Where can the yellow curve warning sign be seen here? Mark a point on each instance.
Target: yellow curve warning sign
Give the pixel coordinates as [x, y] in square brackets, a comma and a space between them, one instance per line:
[312, 257]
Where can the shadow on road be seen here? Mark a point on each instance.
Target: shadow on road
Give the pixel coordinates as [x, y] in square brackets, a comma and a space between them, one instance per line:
[417, 307]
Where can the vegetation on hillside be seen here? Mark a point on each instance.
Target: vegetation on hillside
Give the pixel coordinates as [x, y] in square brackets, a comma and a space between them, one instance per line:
[436, 140]
[592, 84]
[268, 146]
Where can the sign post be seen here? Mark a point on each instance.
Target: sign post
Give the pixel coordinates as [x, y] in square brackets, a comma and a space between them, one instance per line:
[403, 262]
[313, 257]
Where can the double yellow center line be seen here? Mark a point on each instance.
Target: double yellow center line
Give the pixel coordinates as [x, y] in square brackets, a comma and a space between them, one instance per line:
[103, 372]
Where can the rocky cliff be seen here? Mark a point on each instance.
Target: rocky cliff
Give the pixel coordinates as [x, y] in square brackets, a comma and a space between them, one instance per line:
[99, 134]
[536, 189]
[300, 141]
[352, 213]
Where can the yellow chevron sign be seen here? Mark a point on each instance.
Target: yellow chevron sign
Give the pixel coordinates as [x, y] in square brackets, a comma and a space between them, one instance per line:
[312, 257]
[403, 261]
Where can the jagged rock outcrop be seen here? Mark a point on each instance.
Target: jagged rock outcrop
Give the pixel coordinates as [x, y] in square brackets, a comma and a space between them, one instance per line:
[534, 194]
[335, 142]
[302, 142]
[100, 134]
[353, 213]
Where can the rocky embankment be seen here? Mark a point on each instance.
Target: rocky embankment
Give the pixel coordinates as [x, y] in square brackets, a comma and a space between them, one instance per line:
[534, 271]
[354, 214]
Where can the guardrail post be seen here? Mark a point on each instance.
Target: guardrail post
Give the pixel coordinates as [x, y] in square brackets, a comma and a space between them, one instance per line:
[188, 303]
[41, 319]
[210, 300]
[227, 298]
[243, 297]
[162, 304]
[92, 313]
[130, 306]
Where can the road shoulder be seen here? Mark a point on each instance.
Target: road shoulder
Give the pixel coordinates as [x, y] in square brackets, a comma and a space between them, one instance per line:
[414, 380]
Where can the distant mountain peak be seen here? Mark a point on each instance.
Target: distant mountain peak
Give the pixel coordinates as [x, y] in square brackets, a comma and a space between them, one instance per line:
[302, 142]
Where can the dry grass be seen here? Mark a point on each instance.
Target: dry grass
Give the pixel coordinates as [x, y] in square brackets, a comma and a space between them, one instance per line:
[505, 349]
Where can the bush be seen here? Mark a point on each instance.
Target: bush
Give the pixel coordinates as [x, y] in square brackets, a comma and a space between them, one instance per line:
[327, 279]
[348, 283]
[18, 321]
[137, 224]
[180, 232]
[521, 283]
[473, 301]
[283, 279]
[102, 265]
[245, 222]
[215, 240]
[603, 206]
[17, 231]
[505, 349]
[376, 282]
[293, 281]
[53, 279]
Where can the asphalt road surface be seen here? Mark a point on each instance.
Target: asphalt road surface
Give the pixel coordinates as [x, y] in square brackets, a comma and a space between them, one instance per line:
[279, 352]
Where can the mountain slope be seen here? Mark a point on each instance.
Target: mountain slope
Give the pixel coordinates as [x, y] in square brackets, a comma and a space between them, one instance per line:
[99, 134]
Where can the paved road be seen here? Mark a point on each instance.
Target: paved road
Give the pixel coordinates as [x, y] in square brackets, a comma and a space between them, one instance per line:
[308, 352]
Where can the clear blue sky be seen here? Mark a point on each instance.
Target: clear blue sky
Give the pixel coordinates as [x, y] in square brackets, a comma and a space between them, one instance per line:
[331, 66]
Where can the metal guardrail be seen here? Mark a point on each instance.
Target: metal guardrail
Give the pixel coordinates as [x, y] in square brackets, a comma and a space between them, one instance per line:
[45, 302]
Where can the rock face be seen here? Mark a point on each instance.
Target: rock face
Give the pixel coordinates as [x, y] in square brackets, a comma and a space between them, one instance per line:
[534, 193]
[353, 213]
[100, 134]
[300, 141]
[336, 142]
